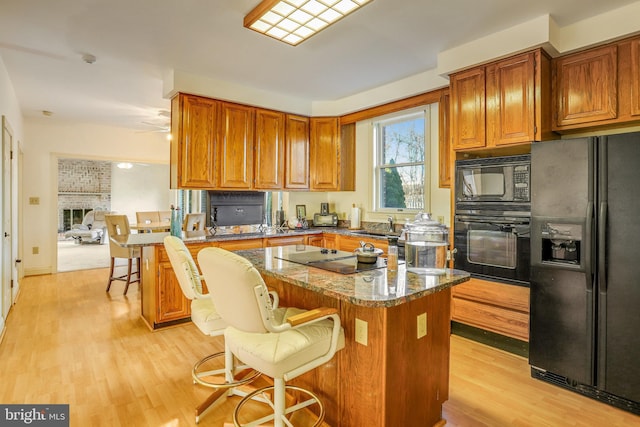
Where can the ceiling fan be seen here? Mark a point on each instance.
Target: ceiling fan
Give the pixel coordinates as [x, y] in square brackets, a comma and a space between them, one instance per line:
[160, 123]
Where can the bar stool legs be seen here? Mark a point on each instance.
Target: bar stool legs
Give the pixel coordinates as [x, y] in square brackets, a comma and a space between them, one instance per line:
[125, 277]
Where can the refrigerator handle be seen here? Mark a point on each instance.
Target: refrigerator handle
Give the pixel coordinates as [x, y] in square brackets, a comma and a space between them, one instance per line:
[602, 247]
[588, 255]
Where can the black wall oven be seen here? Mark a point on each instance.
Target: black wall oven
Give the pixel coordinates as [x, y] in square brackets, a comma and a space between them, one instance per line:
[493, 247]
[492, 218]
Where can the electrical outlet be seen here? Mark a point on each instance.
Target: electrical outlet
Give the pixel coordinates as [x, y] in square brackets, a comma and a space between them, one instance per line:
[35, 250]
[422, 325]
[361, 331]
[34, 200]
[441, 219]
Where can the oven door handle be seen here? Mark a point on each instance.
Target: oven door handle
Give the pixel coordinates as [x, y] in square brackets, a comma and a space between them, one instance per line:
[509, 222]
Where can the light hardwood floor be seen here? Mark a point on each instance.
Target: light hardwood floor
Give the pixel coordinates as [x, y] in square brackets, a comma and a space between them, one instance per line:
[67, 341]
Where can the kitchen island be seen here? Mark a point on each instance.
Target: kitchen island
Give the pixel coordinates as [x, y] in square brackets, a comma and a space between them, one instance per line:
[394, 369]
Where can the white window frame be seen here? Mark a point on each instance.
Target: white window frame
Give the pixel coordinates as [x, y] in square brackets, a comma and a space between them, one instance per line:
[377, 154]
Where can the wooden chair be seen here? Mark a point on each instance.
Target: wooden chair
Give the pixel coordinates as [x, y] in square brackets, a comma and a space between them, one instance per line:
[118, 225]
[282, 344]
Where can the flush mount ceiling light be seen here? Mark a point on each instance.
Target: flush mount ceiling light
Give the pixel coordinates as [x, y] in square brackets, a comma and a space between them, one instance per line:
[124, 165]
[294, 21]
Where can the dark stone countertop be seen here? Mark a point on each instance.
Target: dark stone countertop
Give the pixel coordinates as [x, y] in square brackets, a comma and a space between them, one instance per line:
[373, 288]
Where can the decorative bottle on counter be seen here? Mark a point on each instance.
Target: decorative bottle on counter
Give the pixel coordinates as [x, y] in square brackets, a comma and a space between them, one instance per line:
[176, 222]
[392, 254]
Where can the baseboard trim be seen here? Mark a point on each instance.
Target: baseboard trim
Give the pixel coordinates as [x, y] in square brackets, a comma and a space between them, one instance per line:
[37, 271]
[502, 342]
[2, 330]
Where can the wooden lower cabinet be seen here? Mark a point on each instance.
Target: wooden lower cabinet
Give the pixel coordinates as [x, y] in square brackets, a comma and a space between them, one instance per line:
[238, 245]
[324, 240]
[492, 306]
[396, 379]
[162, 300]
[351, 243]
[283, 241]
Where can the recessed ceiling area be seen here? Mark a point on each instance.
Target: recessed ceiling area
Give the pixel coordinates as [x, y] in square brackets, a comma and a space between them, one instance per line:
[105, 61]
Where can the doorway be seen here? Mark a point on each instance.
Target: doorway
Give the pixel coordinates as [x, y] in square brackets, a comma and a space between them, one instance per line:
[113, 186]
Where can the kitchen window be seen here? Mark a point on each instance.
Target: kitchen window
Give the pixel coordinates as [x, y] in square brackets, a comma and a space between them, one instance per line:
[401, 161]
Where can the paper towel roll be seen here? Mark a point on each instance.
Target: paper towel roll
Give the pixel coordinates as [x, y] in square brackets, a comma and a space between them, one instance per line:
[355, 218]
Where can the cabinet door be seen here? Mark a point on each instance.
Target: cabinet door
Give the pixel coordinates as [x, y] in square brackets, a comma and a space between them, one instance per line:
[635, 77]
[330, 241]
[468, 109]
[316, 241]
[510, 101]
[269, 150]
[171, 304]
[444, 143]
[235, 142]
[324, 154]
[297, 152]
[193, 155]
[585, 86]
[350, 244]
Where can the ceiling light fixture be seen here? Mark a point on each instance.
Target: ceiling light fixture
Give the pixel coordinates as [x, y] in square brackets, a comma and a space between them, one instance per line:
[124, 165]
[294, 21]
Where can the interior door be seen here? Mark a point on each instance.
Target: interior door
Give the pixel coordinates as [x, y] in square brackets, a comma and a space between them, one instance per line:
[7, 269]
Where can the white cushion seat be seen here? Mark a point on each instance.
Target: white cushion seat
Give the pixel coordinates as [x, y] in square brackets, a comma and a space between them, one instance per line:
[276, 354]
[205, 316]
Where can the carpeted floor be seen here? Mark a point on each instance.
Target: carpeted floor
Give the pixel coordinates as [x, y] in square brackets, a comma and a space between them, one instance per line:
[73, 256]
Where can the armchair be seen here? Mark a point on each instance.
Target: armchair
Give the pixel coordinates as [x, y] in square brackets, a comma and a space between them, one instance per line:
[92, 230]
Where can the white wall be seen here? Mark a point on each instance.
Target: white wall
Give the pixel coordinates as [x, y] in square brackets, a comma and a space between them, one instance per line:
[45, 141]
[144, 187]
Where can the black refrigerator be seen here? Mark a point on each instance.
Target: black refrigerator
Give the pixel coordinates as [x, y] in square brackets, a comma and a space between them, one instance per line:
[585, 266]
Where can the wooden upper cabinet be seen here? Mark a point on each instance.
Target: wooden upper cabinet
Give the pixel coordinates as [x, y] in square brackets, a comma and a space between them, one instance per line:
[510, 100]
[444, 143]
[502, 103]
[296, 152]
[585, 86]
[331, 154]
[468, 109]
[235, 146]
[193, 132]
[269, 150]
[635, 77]
[324, 159]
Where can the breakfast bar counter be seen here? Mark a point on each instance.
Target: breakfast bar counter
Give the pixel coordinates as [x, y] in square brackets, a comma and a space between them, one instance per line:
[394, 368]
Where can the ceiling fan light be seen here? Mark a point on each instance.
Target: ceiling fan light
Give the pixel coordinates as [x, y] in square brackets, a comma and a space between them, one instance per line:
[293, 21]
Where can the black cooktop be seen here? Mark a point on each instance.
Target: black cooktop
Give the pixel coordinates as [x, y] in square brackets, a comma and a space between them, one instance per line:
[332, 260]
